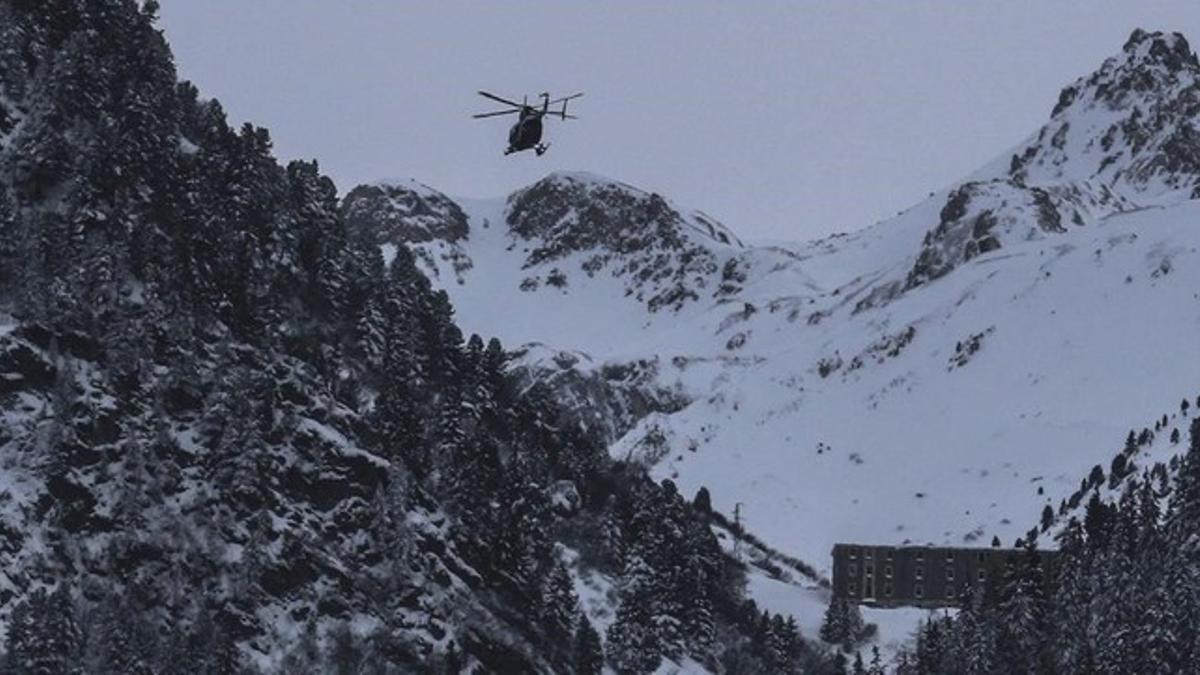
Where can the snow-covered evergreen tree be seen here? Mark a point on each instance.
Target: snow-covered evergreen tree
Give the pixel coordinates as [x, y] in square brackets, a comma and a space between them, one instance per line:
[632, 644]
[587, 655]
[560, 604]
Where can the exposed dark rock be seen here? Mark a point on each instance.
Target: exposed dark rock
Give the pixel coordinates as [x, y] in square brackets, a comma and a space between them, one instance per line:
[610, 398]
[636, 235]
[404, 214]
[22, 367]
[979, 216]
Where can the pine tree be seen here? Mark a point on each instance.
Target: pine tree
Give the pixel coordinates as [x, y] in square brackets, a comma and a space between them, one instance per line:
[699, 624]
[833, 627]
[124, 644]
[43, 635]
[387, 328]
[1097, 521]
[931, 647]
[560, 604]
[1021, 616]
[876, 667]
[703, 501]
[632, 644]
[858, 668]
[855, 626]
[587, 652]
[1117, 470]
[777, 648]
[1184, 521]
[971, 639]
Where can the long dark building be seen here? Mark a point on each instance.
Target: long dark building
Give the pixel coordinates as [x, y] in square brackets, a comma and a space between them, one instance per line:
[922, 576]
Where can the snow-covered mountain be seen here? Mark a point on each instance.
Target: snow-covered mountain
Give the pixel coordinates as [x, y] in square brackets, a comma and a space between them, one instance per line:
[936, 377]
[240, 431]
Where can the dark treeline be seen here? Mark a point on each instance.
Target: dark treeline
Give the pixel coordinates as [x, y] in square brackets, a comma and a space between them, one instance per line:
[247, 443]
[1124, 597]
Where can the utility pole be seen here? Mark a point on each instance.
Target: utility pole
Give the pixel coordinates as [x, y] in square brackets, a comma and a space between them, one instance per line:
[737, 531]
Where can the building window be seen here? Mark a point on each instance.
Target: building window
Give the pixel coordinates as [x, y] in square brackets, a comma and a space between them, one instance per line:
[982, 575]
[887, 571]
[919, 591]
[920, 573]
[853, 569]
[920, 556]
[887, 590]
[949, 590]
[867, 555]
[852, 588]
[949, 556]
[870, 570]
[891, 555]
[853, 554]
[950, 574]
[981, 556]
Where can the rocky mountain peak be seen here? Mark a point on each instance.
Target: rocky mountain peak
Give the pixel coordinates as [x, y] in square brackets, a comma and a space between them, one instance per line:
[667, 256]
[566, 225]
[1118, 139]
[1168, 50]
[404, 212]
[1128, 125]
[1148, 62]
[587, 210]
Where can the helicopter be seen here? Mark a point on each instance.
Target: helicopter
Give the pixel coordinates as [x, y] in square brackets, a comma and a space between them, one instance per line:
[526, 134]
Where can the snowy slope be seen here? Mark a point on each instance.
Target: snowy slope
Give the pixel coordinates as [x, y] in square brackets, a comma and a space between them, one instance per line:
[917, 381]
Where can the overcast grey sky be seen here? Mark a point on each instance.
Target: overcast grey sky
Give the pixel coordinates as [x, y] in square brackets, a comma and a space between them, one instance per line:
[783, 120]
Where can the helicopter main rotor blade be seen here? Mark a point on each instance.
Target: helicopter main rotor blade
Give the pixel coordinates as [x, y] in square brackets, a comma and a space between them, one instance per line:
[493, 114]
[565, 98]
[498, 99]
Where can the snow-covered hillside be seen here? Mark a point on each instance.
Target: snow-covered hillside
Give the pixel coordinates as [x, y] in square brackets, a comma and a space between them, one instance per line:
[937, 377]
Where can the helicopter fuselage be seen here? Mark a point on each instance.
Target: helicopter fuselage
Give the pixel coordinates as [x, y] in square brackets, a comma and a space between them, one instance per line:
[526, 133]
